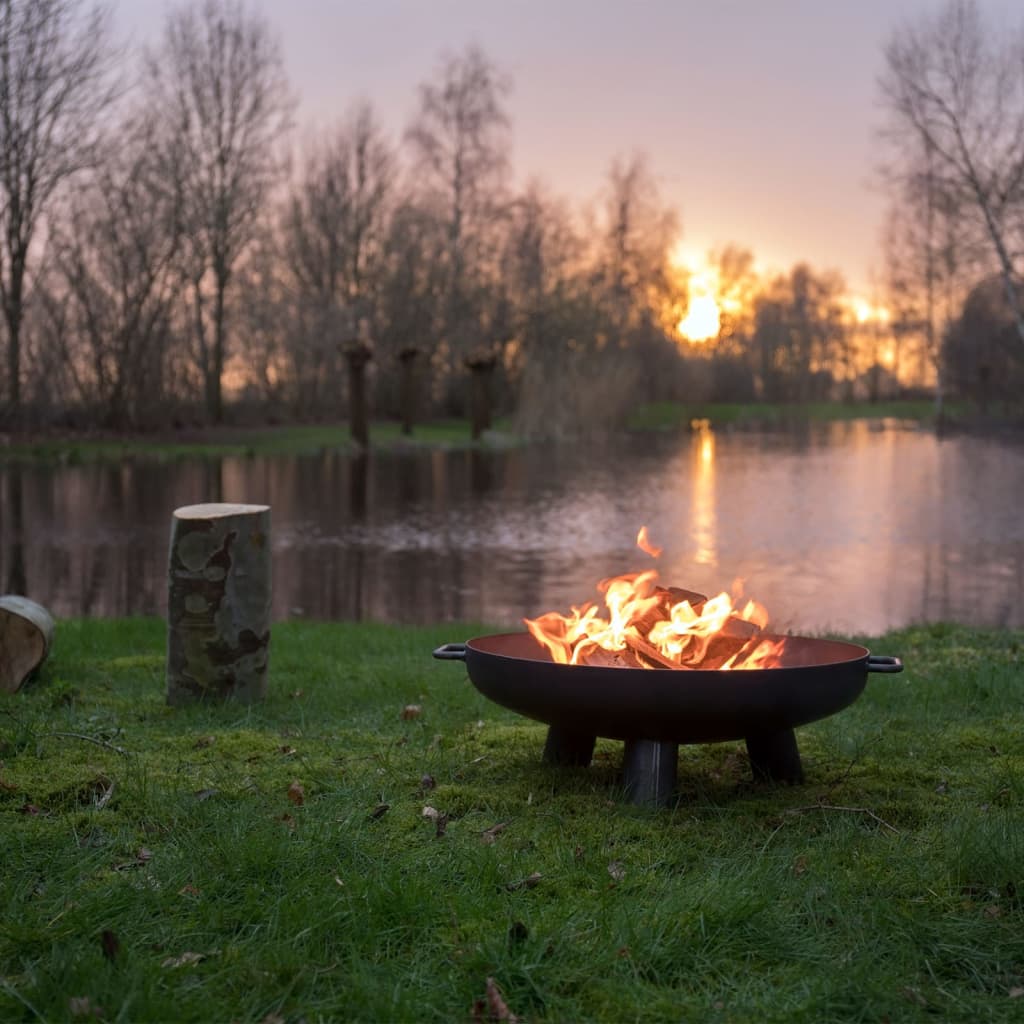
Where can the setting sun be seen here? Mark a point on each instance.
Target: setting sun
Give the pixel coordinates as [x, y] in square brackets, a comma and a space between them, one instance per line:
[703, 312]
[702, 320]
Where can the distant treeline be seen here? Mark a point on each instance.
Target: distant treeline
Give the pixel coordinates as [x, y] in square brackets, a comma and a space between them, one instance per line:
[170, 254]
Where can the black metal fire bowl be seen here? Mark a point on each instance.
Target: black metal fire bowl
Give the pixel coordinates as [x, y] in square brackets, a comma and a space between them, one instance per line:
[654, 710]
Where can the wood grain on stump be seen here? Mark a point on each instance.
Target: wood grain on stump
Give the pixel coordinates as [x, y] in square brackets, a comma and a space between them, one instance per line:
[218, 603]
[26, 636]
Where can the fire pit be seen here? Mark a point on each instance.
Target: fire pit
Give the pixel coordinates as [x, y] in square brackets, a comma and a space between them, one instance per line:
[628, 678]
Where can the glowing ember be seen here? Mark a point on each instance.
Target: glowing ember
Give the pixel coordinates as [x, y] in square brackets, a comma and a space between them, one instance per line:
[649, 626]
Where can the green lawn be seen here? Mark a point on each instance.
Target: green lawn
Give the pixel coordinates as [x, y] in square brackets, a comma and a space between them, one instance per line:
[284, 440]
[275, 863]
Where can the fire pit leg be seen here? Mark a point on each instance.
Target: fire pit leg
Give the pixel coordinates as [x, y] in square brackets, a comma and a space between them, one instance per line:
[775, 757]
[566, 747]
[649, 771]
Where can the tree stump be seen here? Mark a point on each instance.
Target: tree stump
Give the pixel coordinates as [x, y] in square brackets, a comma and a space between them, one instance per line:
[218, 603]
[26, 636]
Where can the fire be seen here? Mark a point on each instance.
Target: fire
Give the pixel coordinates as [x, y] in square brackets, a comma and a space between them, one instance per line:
[650, 626]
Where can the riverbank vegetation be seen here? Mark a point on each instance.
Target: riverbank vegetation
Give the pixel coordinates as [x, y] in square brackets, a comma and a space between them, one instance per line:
[295, 439]
[378, 842]
[200, 268]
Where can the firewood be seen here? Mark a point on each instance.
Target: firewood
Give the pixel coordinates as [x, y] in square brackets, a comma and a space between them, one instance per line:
[218, 603]
[26, 636]
[649, 653]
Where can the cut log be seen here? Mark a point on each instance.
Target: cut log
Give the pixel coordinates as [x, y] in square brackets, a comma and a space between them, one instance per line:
[218, 603]
[26, 636]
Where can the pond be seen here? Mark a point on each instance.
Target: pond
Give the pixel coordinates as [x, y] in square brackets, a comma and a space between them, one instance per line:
[851, 527]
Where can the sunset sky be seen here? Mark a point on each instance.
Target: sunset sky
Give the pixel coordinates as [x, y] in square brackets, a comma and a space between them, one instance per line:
[758, 116]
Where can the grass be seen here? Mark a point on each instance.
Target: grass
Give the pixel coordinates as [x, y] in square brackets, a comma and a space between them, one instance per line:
[274, 863]
[673, 415]
[284, 440]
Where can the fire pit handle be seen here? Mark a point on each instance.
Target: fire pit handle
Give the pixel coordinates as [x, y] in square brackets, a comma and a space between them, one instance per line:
[457, 652]
[884, 663]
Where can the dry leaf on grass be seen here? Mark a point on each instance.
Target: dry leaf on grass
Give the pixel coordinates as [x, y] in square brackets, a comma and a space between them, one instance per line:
[297, 793]
[489, 835]
[188, 890]
[799, 866]
[142, 856]
[1016, 992]
[83, 1006]
[530, 882]
[379, 811]
[205, 794]
[183, 960]
[204, 741]
[617, 870]
[412, 711]
[442, 825]
[431, 812]
[494, 1008]
[427, 783]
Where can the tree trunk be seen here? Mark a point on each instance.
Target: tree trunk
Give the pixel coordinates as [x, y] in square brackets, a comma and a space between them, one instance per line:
[26, 636]
[218, 603]
[480, 371]
[357, 356]
[407, 397]
[13, 315]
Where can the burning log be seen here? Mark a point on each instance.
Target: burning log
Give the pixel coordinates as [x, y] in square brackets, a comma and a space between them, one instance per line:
[656, 627]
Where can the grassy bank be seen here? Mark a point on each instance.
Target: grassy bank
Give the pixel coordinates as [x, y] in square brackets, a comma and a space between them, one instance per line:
[275, 863]
[452, 433]
[238, 441]
[675, 415]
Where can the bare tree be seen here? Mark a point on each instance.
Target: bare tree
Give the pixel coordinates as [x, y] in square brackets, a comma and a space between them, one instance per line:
[55, 84]
[459, 142]
[639, 232]
[217, 86]
[931, 255]
[114, 280]
[955, 91]
[335, 234]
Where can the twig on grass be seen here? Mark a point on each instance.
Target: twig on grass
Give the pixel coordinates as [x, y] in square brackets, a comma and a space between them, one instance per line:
[87, 739]
[851, 810]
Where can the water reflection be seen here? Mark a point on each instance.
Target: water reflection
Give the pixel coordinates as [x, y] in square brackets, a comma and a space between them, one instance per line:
[837, 527]
[704, 523]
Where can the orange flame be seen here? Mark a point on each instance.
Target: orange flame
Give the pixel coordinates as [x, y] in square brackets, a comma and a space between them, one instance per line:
[643, 542]
[648, 626]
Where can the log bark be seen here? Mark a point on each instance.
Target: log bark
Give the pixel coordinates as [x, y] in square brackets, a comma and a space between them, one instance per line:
[26, 636]
[218, 603]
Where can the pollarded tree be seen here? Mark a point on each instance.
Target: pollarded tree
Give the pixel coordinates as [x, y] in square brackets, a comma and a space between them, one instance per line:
[55, 86]
[218, 91]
